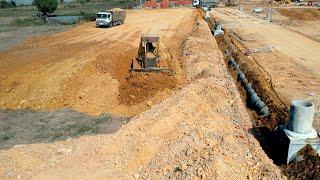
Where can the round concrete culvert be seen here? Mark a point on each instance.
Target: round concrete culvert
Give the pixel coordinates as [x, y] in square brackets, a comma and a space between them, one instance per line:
[217, 25]
[301, 116]
[265, 111]
[250, 92]
[241, 76]
[244, 82]
[248, 86]
[232, 62]
[260, 104]
[237, 68]
[254, 98]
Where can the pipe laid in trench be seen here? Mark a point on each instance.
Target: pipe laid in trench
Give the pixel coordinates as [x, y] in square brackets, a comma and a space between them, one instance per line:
[253, 98]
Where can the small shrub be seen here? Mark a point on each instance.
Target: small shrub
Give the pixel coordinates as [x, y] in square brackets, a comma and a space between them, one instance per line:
[13, 4]
[4, 4]
[27, 22]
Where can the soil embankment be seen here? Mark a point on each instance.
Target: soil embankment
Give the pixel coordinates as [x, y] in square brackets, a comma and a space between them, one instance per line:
[201, 130]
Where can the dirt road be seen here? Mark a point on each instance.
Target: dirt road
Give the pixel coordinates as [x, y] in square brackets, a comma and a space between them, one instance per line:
[293, 62]
[86, 68]
[200, 131]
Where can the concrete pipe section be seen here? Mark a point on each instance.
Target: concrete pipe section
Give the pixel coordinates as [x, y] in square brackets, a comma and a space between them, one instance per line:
[301, 117]
[253, 98]
[299, 129]
[218, 29]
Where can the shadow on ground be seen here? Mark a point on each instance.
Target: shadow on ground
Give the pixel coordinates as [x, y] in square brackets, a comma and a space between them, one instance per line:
[30, 126]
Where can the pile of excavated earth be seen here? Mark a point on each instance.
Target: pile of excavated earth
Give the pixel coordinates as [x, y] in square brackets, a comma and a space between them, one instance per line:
[189, 124]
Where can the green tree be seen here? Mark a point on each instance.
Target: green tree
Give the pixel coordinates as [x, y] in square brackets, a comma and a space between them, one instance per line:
[46, 6]
[13, 3]
[4, 4]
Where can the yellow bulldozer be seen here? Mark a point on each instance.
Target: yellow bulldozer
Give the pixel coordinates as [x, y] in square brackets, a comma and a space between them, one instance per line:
[148, 59]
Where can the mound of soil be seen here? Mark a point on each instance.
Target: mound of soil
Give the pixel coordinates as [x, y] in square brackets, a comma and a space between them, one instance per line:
[141, 86]
[301, 14]
[309, 168]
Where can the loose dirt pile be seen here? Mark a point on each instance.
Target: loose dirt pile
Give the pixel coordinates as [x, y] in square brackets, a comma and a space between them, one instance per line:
[301, 14]
[309, 168]
[86, 67]
[140, 87]
[200, 131]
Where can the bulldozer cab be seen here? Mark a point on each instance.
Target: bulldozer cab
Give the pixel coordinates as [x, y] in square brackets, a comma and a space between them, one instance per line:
[148, 58]
[148, 55]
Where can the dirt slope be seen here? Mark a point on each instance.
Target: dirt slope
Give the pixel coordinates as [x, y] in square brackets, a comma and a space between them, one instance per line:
[86, 68]
[200, 131]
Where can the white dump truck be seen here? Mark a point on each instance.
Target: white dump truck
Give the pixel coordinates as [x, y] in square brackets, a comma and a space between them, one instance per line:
[110, 18]
[205, 3]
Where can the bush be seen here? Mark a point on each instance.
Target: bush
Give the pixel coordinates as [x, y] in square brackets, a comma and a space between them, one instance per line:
[13, 4]
[46, 6]
[4, 4]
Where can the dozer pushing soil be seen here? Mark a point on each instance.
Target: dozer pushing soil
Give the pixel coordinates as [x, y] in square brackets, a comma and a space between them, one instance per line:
[148, 59]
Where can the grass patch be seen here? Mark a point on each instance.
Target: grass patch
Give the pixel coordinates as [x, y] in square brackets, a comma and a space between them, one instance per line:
[4, 136]
[65, 129]
[27, 22]
[28, 126]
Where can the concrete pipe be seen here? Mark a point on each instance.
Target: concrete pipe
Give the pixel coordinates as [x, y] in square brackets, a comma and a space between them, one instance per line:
[254, 98]
[218, 29]
[217, 25]
[248, 86]
[244, 82]
[237, 68]
[301, 116]
[250, 92]
[241, 76]
[232, 62]
[260, 104]
[265, 111]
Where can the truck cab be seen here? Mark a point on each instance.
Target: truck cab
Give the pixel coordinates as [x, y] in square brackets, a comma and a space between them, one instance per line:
[104, 19]
[196, 3]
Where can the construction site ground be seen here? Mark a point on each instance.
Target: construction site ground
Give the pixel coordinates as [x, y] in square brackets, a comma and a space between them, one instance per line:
[290, 59]
[189, 125]
[302, 20]
[86, 68]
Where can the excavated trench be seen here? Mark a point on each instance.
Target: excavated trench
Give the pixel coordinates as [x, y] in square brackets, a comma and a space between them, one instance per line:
[265, 126]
